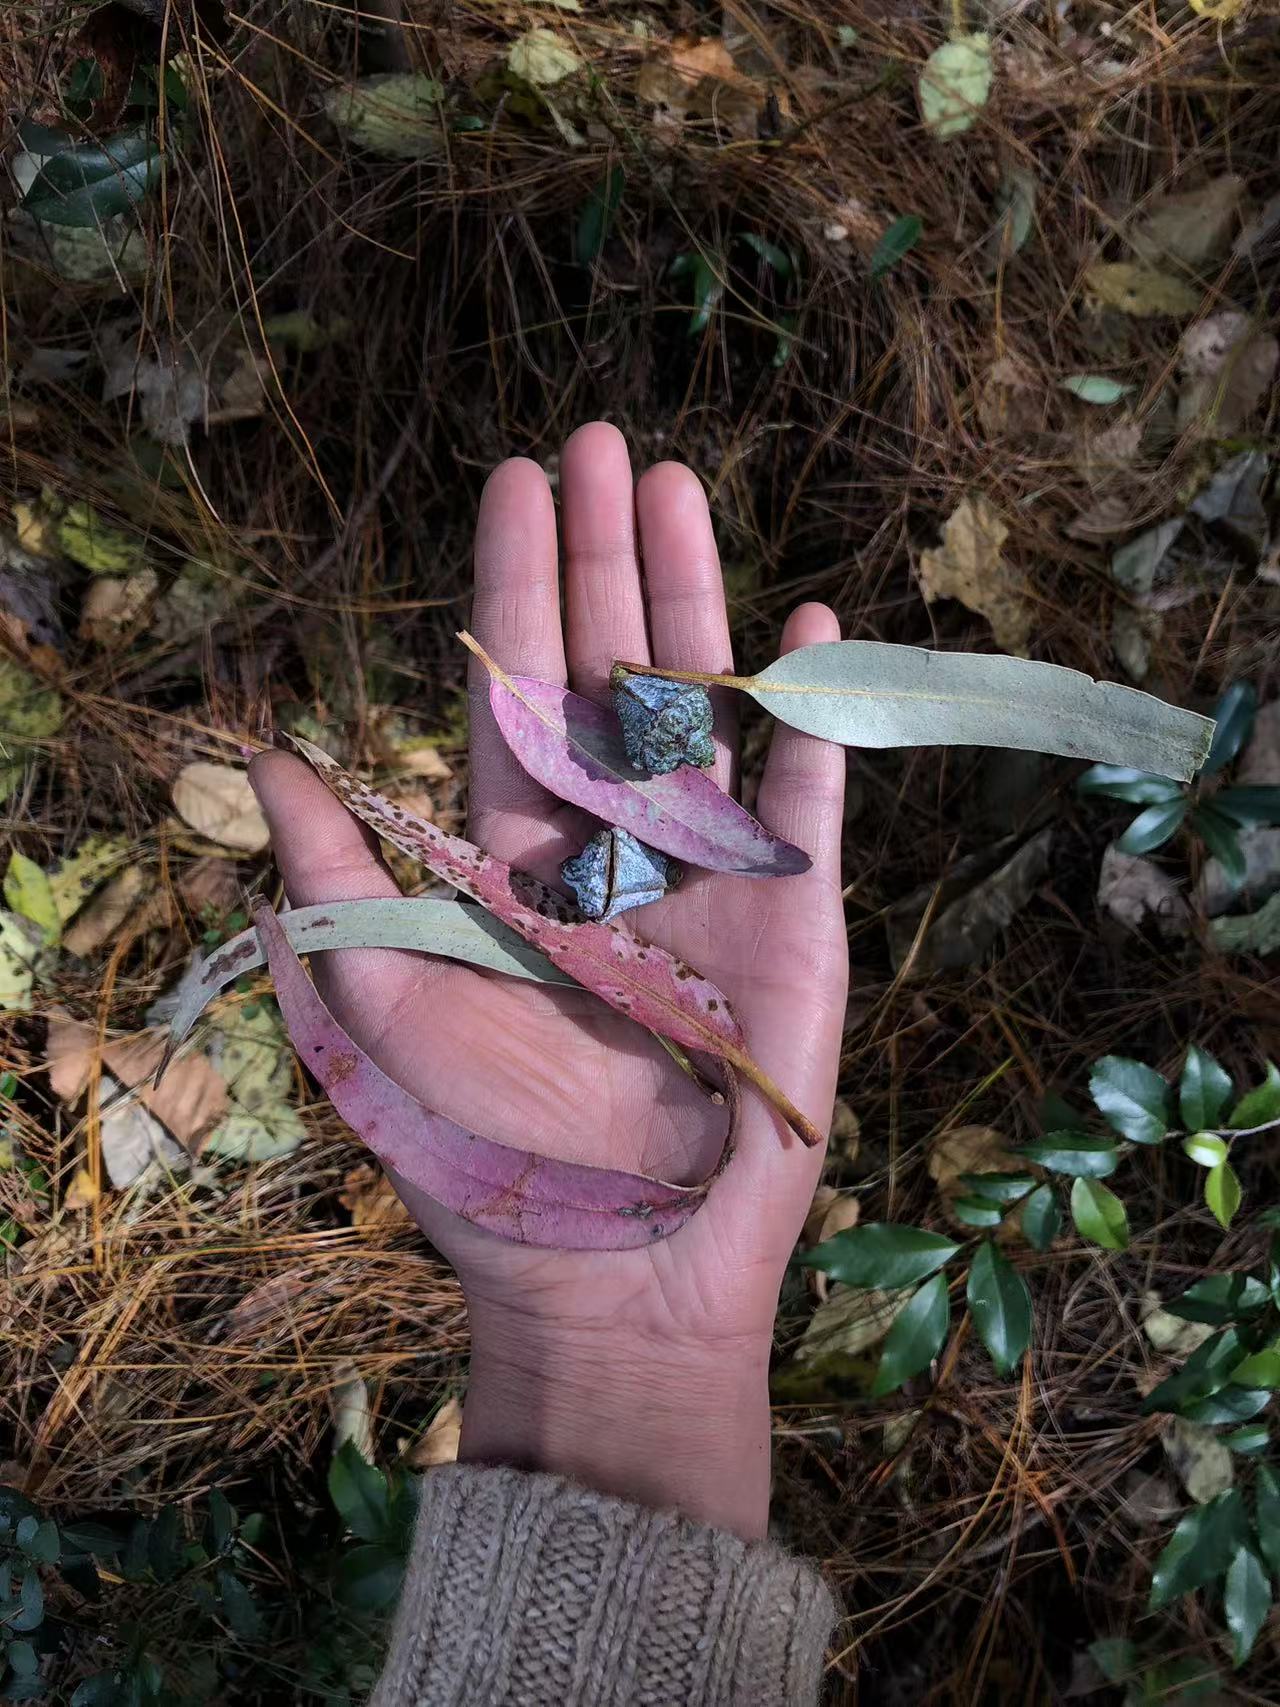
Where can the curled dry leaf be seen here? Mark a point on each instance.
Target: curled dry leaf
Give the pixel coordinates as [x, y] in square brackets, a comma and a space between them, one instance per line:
[1143, 291]
[644, 982]
[105, 916]
[973, 905]
[542, 58]
[114, 605]
[219, 802]
[131, 1138]
[349, 1405]
[831, 1212]
[527, 1198]
[190, 1102]
[439, 1445]
[1226, 367]
[1190, 227]
[573, 747]
[968, 566]
[1135, 892]
[974, 1150]
[372, 1199]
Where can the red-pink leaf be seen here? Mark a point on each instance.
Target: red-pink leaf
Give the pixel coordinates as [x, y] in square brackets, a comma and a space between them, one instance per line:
[641, 980]
[575, 750]
[532, 1200]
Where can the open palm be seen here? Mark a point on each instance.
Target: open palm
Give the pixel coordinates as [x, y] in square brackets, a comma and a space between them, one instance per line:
[556, 1071]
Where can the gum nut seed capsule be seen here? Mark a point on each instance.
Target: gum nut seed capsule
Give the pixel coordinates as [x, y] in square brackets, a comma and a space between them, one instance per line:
[664, 724]
[615, 872]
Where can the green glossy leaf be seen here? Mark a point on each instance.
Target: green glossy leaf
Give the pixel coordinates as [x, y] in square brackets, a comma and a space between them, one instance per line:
[94, 1538]
[865, 693]
[1260, 1105]
[23, 1658]
[1153, 828]
[238, 1604]
[707, 291]
[1131, 1097]
[1222, 1193]
[1073, 1153]
[1234, 715]
[916, 1337]
[100, 1690]
[1220, 1298]
[30, 1613]
[164, 1544]
[1203, 1090]
[41, 1542]
[1094, 388]
[1001, 1306]
[596, 218]
[1116, 1657]
[882, 1254]
[1041, 1218]
[1248, 1440]
[1099, 1214]
[1266, 1515]
[358, 1490]
[1200, 1550]
[222, 1523]
[93, 182]
[1259, 1369]
[977, 1212]
[771, 253]
[368, 1578]
[1246, 1600]
[1205, 1149]
[1228, 1405]
[895, 241]
[998, 1188]
[1249, 807]
[1205, 1371]
[1220, 836]
[1121, 782]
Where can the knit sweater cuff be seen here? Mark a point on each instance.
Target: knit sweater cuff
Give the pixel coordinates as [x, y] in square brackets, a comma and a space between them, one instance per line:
[528, 1591]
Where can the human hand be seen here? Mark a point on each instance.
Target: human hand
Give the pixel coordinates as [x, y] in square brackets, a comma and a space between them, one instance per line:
[640, 1373]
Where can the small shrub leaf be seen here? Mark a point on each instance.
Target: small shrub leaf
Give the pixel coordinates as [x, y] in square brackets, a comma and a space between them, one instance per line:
[895, 241]
[1041, 1218]
[91, 183]
[977, 1212]
[1252, 1438]
[368, 1578]
[1220, 1298]
[1260, 1369]
[1000, 1301]
[998, 1188]
[1266, 1513]
[1073, 1153]
[358, 1490]
[1222, 839]
[1200, 1549]
[1121, 782]
[1260, 1105]
[883, 1254]
[1228, 1405]
[1222, 1193]
[1203, 1090]
[916, 1337]
[1205, 1149]
[1233, 715]
[1246, 1600]
[1131, 1097]
[1153, 828]
[1099, 1214]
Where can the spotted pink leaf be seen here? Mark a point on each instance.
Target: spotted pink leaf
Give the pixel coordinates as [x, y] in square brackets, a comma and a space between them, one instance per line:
[574, 748]
[529, 1199]
[641, 980]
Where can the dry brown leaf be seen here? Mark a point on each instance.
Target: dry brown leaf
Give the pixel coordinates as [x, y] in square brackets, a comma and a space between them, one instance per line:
[209, 883]
[439, 1445]
[1170, 1333]
[192, 1097]
[267, 1302]
[372, 1199]
[130, 1138]
[851, 1321]
[349, 1404]
[1135, 890]
[670, 79]
[115, 604]
[1226, 367]
[846, 1130]
[1142, 291]
[103, 918]
[1012, 402]
[839, 1211]
[1191, 227]
[219, 802]
[1110, 518]
[968, 566]
[242, 395]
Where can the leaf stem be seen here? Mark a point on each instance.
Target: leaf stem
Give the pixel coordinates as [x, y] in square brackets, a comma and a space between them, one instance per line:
[699, 678]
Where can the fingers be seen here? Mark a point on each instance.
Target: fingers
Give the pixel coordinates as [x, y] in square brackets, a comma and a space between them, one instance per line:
[802, 791]
[684, 589]
[603, 601]
[516, 618]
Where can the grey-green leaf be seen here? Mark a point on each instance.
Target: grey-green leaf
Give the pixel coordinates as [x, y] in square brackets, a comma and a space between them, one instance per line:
[1122, 782]
[1099, 1214]
[1001, 1304]
[90, 184]
[1132, 1098]
[1041, 1218]
[1200, 1549]
[1246, 1600]
[916, 1336]
[450, 928]
[1203, 1090]
[1153, 828]
[1095, 388]
[864, 693]
[1267, 1515]
[1221, 836]
[1073, 1153]
[881, 1254]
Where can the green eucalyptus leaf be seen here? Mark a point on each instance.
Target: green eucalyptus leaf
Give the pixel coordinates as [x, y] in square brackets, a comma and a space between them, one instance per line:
[1131, 1097]
[1121, 782]
[1153, 828]
[1203, 1090]
[1260, 1105]
[1073, 1153]
[1201, 1549]
[881, 1254]
[1041, 1218]
[1000, 1302]
[1234, 715]
[916, 1337]
[1099, 1214]
[897, 240]
[92, 182]
[1246, 1600]
[1222, 1193]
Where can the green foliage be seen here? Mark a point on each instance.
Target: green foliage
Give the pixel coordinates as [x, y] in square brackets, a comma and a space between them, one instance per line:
[596, 219]
[1000, 1302]
[1222, 1192]
[1041, 1218]
[896, 241]
[1201, 1548]
[1246, 1600]
[1131, 1097]
[1220, 1298]
[1203, 1090]
[1259, 1106]
[881, 1254]
[916, 1336]
[92, 182]
[359, 1493]
[1099, 1214]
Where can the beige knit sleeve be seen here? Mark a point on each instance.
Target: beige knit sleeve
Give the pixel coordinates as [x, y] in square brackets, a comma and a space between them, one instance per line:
[526, 1591]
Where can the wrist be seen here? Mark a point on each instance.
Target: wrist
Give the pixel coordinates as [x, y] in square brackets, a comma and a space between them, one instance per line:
[662, 1424]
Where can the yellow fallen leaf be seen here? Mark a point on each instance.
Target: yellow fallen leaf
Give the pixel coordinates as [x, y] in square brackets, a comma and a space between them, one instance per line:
[27, 891]
[75, 878]
[1222, 11]
[955, 85]
[439, 1445]
[33, 530]
[20, 949]
[1140, 290]
[218, 801]
[968, 566]
[542, 58]
[82, 1193]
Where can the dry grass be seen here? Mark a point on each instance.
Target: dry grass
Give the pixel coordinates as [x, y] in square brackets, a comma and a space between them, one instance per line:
[154, 1350]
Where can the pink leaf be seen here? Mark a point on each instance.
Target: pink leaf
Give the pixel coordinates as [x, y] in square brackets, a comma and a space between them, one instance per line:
[575, 750]
[529, 1199]
[641, 980]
